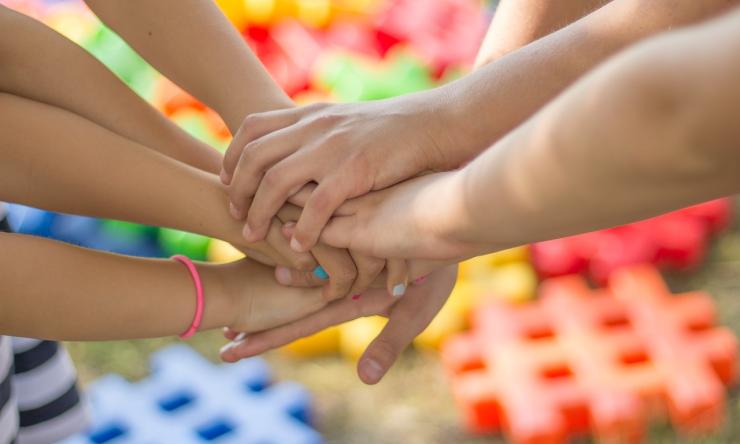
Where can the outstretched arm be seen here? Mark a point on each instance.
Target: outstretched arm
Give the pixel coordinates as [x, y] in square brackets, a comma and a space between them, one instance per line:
[53, 290]
[518, 23]
[351, 149]
[57, 160]
[192, 43]
[42, 65]
[650, 131]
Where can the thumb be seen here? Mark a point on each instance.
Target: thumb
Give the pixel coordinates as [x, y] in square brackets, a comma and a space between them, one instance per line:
[385, 349]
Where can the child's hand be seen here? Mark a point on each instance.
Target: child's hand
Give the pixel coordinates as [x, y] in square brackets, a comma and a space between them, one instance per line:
[407, 318]
[348, 149]
[258, 302]
[348, 273]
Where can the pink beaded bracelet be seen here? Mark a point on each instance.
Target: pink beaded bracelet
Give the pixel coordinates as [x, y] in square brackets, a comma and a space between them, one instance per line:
[199, 302]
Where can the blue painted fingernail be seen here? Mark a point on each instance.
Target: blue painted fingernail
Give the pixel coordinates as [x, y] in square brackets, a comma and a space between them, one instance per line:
[399, 290]
[320, 273]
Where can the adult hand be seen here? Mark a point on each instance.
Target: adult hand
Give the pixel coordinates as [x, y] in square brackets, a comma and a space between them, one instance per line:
[347, 149]
[421, 218]
[407, 318]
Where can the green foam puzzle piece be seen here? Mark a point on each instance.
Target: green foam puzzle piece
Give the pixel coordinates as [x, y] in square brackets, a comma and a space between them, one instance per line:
[194, 246]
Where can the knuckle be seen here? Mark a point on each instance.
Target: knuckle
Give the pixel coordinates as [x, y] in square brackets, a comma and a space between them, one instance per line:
[327, 119]
[251, 121]
[316, 106]
[251, 149]
[272, 177]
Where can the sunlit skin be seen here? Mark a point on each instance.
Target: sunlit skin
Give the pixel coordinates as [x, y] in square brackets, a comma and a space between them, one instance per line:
[101, 151]
[228, 78]
[609, 150]
[352, 149]
[652, 130]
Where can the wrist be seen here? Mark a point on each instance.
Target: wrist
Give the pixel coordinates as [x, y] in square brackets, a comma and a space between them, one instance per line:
[447, 218]
[235, 110]
[460, 128]
[219, 297]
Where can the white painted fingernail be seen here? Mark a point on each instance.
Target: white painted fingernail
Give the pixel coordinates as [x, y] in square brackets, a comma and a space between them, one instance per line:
[399, 290]
[240, 339]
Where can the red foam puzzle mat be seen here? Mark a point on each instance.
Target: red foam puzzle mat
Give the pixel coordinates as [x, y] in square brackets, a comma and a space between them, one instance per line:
[676, 241]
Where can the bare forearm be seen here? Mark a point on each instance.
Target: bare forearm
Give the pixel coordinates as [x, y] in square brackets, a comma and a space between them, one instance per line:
[58, 69]
[57, 291]
[487, 104]
[518, 23]
[651, 131]
[59, 161]
[192, 43]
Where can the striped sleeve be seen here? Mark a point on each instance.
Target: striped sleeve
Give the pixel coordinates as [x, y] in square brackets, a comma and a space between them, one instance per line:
[8, 408]
[49, 404]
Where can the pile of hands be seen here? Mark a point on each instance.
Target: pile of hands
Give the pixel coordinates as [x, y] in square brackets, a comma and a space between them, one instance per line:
[342, 209]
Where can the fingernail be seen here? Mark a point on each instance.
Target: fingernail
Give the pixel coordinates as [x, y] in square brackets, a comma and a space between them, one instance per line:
[282, 274]
[234, 211]
[296, 246]
[320, 273]
[373, 370]
[247, 232]
[399, 290]
[239, 340]
[420, 280]
[356, 297]
[225, 179]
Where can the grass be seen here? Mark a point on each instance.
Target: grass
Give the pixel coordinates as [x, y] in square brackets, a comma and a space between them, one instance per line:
[413, 405]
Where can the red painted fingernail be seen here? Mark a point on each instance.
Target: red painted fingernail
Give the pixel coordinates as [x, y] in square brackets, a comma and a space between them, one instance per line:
[356, 297]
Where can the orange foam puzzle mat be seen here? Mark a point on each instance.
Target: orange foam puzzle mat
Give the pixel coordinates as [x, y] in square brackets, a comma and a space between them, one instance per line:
[601, 362]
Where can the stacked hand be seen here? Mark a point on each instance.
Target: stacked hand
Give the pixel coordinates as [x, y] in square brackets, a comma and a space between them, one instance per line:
[407, 318]
[337, 162]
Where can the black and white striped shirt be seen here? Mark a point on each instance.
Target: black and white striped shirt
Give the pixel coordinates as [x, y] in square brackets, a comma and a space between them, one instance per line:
[39, 400]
